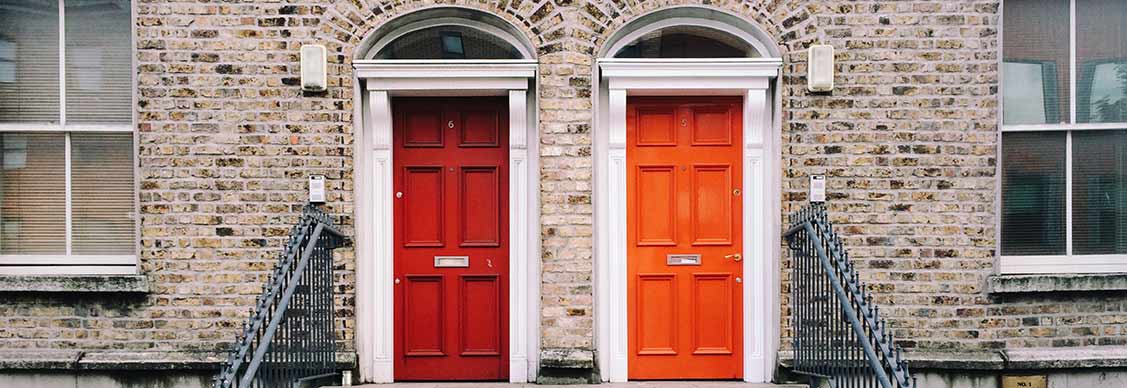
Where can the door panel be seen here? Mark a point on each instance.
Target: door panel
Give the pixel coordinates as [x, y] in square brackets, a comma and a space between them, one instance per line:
[481, 210]
[711, 211]
[712, 313]
[425, 127]
[657, 194]
[657, 126]
[480, 334]
[451, 254]
[684, 214]
[657, 301]
[423, 295]
[425, 226]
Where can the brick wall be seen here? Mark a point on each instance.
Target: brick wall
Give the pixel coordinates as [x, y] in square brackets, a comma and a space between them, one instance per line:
[227, 138]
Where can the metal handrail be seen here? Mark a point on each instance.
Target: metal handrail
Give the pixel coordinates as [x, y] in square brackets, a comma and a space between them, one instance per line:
[290, 334]
[838, 333]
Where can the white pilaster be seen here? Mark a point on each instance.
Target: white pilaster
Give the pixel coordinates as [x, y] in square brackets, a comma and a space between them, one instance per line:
[756, 249]
[375, 265]
[519, 256]
[616, 231]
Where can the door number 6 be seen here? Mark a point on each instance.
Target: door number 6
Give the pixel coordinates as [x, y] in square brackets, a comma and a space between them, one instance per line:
[450, 124]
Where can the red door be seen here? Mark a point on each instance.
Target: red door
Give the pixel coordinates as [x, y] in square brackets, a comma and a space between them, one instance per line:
[684, 234]
[451, 238]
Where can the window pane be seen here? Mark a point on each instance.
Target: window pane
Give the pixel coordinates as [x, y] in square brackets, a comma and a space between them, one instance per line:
[1033, 193]
[99, 87]
[29, 61]
[449, 42]
[687, 42]
[102, 194]
[1029, 97]
[1035, 36]
[33, 194]
[1101, 55]
[1099, 192]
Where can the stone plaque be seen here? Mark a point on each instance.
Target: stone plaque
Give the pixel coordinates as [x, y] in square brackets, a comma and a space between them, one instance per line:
[1040, 381]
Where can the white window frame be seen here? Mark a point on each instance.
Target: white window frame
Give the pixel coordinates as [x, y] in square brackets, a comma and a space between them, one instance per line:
[1068, 262]
[67, 263]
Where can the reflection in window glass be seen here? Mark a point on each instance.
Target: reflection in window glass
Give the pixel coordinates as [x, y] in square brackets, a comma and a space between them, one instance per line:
[1036, 31]
[30, 88]
[7, 61]
[1030, 93]
[1033, 193]
[1099, 192]
[448, 42]
[98, 63]
[1101, 57]
[1101, 93]
[687, 42]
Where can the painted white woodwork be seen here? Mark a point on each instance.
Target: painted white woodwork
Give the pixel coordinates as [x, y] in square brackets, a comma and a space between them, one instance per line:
[375, 229]
[751, 79]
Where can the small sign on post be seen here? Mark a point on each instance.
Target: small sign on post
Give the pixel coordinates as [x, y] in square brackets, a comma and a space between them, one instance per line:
[817, 188]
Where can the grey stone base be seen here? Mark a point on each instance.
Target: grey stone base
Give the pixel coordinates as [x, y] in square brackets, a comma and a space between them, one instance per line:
[1075, 378]
[567, 366]
[107, 379]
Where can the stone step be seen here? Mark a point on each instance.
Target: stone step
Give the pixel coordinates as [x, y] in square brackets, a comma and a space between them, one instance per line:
[646, 384]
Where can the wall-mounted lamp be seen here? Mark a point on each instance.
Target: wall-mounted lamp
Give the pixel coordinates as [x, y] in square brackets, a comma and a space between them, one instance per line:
[820, 68]
[313, 78]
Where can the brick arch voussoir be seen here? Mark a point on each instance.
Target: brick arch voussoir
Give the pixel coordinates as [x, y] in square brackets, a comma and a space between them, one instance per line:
[790, 24]
[349, 22]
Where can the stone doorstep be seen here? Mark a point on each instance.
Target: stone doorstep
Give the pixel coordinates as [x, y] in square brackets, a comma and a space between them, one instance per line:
[646, 384]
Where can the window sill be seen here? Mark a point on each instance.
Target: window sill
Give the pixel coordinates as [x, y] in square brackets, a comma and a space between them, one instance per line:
[1022, 284]
[75, 284]
[1062, 264]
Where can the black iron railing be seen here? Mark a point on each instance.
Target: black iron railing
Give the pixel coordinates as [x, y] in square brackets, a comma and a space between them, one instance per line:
[289, 338]
[838, 333]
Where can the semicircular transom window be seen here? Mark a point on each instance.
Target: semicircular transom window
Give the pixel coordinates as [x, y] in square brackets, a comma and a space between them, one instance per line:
[449, 42]
[687, 42]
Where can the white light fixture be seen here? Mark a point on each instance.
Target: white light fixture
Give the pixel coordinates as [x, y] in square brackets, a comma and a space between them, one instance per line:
[313, 78]
[317, 188]
[820, 68]
[818, 188]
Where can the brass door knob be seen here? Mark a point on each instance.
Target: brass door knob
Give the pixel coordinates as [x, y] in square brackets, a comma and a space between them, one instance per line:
[734, 256]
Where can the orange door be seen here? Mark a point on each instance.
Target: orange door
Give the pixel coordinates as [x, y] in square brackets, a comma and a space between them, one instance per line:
[451, 238]
[684, 177]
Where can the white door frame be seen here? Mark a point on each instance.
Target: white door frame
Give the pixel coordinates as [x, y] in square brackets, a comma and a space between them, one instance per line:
[375, 314]
[752, 79]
